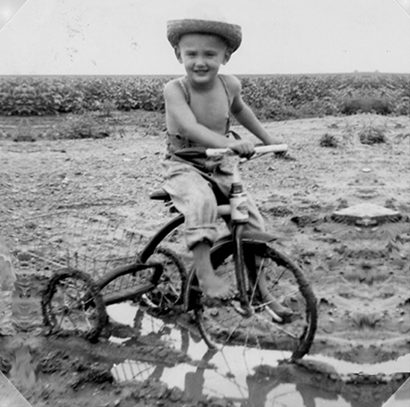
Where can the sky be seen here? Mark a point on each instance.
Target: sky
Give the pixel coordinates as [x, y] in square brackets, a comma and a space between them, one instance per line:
[128, 36]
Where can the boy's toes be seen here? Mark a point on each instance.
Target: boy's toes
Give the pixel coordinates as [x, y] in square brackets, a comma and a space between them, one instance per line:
[280, 313]
[217, 301]
[224, 292]
[284, 313]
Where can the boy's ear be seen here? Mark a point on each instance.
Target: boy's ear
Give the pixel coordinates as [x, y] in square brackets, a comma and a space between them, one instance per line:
[227, 57]
[178, 54]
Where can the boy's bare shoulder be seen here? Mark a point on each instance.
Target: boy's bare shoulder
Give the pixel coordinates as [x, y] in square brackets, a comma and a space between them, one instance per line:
[173, 90]
[233, 83]
[172, 84]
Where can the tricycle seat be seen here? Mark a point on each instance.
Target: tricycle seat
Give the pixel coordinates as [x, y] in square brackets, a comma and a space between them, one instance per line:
[160, 195]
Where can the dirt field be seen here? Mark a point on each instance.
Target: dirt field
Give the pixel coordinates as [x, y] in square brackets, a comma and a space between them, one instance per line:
[359, 269]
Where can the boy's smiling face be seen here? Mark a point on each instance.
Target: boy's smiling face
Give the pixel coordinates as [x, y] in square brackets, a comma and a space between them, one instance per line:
[202, 56]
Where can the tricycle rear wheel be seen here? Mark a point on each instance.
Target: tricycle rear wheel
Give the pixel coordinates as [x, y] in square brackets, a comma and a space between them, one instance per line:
[72, 305]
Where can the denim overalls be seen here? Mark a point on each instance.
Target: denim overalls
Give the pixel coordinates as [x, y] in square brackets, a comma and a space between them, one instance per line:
[191, 184]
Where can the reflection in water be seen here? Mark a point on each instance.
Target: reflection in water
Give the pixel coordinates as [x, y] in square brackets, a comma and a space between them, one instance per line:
[318, 388]
[26, 308]
[7, 280]
[21, 313]
[250, 377]
[22, 370]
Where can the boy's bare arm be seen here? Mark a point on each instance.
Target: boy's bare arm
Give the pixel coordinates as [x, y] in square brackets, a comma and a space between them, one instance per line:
[245, 116]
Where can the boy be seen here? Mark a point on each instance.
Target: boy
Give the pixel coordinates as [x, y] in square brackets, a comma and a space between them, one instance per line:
[198, 108]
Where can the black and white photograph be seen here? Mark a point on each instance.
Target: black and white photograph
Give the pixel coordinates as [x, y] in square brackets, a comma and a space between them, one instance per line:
[205, 203]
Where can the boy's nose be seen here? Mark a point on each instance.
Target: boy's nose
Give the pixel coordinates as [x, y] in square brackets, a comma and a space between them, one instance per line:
[200, 61]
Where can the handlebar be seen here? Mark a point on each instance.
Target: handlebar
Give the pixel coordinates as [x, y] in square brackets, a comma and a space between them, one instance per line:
[196, 152]
[273, 148]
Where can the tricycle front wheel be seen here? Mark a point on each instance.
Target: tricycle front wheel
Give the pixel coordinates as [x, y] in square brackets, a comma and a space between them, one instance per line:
[228, 322]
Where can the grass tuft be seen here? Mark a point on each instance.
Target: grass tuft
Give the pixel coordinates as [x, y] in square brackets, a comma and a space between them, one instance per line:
[372, 135]
[328, 140]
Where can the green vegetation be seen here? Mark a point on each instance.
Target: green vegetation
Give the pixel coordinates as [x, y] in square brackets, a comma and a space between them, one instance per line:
[275, 97]
[328, 140]
[372, 135]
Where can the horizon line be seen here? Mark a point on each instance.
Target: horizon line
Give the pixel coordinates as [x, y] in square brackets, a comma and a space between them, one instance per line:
[235, 74]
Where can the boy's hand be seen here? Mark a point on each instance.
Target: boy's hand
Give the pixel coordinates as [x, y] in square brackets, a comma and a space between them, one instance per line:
[274, 140]
[243, 148]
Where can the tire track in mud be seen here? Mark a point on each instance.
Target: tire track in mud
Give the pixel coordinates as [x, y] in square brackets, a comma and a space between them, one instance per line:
[359, 272]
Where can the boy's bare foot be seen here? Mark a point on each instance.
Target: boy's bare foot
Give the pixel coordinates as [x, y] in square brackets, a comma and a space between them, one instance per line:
[214, 287]
[211, 285]
[280, 313]
[284, 313]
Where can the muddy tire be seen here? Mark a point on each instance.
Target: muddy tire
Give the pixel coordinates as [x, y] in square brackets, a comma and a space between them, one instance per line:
[223, 321]
[72, 305]
[170, 286]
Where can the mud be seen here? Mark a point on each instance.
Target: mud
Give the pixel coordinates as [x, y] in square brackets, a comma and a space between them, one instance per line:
[87, 201]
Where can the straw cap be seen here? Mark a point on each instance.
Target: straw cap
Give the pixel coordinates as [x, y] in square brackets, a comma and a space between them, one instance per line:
[231, 33]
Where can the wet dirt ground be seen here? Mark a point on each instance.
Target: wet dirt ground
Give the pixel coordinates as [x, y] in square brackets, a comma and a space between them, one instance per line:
[90, 197]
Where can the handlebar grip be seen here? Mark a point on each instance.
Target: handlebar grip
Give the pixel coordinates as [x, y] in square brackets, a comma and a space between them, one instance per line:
[273, 148]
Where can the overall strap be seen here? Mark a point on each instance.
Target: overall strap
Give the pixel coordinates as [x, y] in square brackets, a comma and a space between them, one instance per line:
[225, 85]
[184, 87]
[228, 96]
[182, 83]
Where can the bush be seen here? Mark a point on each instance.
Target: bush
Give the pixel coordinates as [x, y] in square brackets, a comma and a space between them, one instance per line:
[274, 97]
[78, 127]
[403, 106]
[328, 140]
[275, 110]
[372, 135]
[24, 132]
[366, 105]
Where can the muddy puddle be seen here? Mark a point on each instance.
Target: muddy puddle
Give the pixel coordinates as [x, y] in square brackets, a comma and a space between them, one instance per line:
[254, 377]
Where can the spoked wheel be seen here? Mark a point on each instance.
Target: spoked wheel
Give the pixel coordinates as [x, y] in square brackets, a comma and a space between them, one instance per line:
[223, 322]
[157, 279]
[170, 286]
[72, 305]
